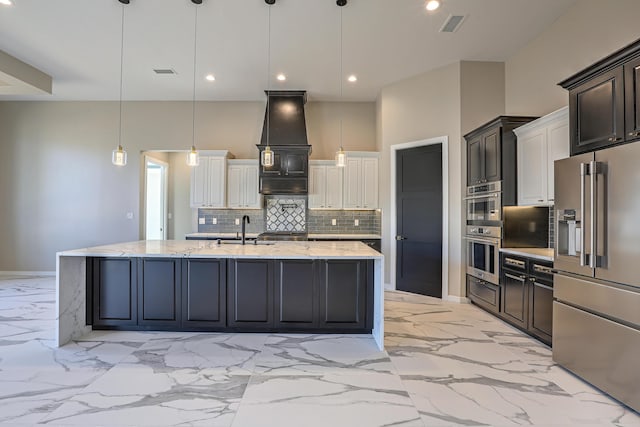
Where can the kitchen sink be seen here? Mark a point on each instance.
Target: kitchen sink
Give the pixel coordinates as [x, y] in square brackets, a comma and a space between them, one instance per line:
[247, 242]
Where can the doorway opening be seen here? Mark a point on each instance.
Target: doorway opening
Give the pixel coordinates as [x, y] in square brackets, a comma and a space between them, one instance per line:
[419, 217]
[155, 196]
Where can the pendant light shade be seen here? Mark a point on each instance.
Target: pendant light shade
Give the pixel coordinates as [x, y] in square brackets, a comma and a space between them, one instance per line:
[341, 158]
[119, 156]
[266, 157]
[193, 157]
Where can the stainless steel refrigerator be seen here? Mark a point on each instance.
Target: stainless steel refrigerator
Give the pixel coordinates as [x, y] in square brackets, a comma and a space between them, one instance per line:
[596, 309]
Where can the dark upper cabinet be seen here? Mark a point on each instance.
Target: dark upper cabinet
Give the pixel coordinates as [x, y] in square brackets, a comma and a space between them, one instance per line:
[159, 292]
[632, 98]
[113, 291]
[604, 101]
[289, 161]
[343, 294]
[491, 154]
[596, 110]
[250, 293]
[296, 293]
[204, 293]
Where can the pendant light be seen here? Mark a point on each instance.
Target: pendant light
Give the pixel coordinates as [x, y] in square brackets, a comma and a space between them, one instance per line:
[193, 157]
[266, 156]
[119, 156]
[341, 156]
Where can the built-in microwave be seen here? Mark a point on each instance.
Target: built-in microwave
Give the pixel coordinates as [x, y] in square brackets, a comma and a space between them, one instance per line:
[483, 246]
[484, 203]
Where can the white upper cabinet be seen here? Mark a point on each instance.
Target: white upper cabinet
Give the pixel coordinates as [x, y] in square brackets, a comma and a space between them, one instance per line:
[361, 180]
[208, 180]
[325, 185]
[540, 143]
[242, 184]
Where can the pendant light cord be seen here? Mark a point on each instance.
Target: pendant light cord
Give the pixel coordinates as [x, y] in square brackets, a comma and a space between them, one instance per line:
[193, 104]
[341, 98]
[268, 74]
[121, 67]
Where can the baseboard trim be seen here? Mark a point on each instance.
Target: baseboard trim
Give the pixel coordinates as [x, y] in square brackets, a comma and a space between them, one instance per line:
[389, 287]
[28, 273]
[459, 300]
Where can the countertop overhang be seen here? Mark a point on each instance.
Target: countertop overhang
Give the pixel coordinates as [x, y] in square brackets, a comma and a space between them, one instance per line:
[543, 254]
[211, 249]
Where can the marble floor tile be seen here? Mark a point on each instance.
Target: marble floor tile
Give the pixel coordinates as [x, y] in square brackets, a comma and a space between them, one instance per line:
[303, 354]
[372, 399]
[445, 364]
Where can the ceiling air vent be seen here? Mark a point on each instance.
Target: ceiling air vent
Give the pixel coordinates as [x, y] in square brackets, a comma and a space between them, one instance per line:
[164, 71]
[452, 24]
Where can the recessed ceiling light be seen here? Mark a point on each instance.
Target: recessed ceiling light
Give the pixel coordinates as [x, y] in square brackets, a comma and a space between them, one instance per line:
[6, 2]
[210, 77]
[352, 78]
[432, 5]
[281, 77]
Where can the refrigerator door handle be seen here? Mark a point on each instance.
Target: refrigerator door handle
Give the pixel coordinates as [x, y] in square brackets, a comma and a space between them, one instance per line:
[583, 173]
[594, 169]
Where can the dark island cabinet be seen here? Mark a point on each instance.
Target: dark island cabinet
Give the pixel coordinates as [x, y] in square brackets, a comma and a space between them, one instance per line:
[296, 295]
[604, 102]
[159, 292]
[111, 291]
[343, 294]
[250, 293]
[204, 293]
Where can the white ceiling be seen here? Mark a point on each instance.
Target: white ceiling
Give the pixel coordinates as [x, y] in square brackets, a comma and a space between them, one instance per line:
[77, 42]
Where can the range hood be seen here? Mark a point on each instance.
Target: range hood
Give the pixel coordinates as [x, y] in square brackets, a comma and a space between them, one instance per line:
[286, 131]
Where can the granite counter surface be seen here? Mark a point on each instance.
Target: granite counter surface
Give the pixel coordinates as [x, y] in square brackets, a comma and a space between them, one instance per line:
[211, 249]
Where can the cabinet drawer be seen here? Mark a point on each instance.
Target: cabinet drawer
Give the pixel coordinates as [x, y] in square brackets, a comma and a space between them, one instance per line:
[483, 293]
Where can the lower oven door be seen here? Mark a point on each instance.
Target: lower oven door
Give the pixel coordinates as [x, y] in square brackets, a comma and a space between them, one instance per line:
[484, 208]
[483, 259]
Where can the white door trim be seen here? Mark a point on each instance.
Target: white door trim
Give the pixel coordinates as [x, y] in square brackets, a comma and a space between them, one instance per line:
[444, 140]
[165, 189]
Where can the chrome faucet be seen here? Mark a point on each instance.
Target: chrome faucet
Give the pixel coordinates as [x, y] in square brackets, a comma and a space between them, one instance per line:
[248, 221]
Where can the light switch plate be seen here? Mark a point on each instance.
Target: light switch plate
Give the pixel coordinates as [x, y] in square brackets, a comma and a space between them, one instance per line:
[237, 221]
[333, 221]
[356, 222]
[200, 220]
[214, 221]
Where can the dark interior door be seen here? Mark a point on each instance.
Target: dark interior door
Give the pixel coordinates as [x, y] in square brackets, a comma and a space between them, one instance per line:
[419, 224]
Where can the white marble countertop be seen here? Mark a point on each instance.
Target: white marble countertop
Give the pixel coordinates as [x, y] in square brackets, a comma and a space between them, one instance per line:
[211, 249]
[328, 236]
[544, 254]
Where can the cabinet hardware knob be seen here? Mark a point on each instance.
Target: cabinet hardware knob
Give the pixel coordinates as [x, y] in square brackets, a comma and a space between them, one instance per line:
[540, 200]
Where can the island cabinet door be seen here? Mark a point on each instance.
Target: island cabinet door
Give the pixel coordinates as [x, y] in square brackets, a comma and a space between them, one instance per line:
[159, 292]
[113, 291]
[250, 294]
[343, 294]
[296, 297]
[204, 293]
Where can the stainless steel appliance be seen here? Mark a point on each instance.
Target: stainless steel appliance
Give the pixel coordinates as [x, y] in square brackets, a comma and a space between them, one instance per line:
[596, 309]
[483, 247]
[484, 203]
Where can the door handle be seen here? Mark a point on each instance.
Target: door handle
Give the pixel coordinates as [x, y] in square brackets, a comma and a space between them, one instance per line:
[518, 278]
[400, 238]
[583, 173]
[593, 171]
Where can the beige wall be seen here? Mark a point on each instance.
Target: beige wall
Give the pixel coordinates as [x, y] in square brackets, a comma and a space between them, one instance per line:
[58, 187]
[587, 32]
[422, 107]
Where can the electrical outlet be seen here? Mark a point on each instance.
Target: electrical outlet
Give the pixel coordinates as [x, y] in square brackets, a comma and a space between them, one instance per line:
[169, 215]
[214, 221]
[237, 221]
[333, 221]
[356, 222]
[129, 215]
[200, 220]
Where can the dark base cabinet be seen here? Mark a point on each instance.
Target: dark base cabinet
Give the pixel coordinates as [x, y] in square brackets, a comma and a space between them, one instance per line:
[111, 291]
[204, 293]
[230, 295]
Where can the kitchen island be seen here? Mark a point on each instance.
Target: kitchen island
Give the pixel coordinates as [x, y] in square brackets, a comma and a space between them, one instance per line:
[310, 287]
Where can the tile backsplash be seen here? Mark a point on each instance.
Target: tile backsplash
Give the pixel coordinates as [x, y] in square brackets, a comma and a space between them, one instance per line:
[317, 222]
[286, 214]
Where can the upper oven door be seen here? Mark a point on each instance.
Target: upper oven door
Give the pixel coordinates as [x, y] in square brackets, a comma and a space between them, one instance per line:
[484, 208]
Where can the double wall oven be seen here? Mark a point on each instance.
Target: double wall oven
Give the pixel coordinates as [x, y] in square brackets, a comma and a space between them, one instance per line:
[484, 231]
